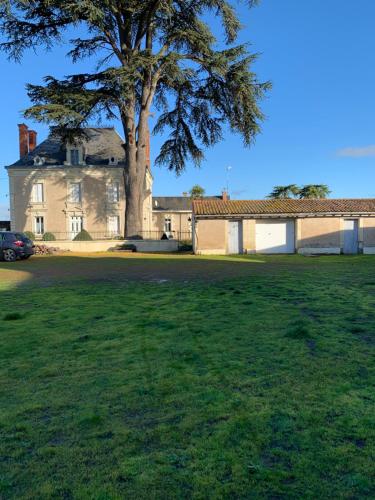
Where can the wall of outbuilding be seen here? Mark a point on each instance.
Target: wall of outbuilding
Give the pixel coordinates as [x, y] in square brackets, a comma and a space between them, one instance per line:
[210, 236]
[312, 235]
[319, 234]
[368, 228]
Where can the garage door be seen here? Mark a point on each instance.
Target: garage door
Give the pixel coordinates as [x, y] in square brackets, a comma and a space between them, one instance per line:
[275, 236]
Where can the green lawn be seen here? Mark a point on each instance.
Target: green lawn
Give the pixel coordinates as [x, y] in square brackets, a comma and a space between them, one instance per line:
[181, 377]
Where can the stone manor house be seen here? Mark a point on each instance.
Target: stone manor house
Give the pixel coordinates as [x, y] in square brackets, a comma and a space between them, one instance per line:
[62, 189]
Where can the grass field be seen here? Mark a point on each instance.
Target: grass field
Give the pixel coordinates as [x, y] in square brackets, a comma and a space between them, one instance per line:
[181, 377]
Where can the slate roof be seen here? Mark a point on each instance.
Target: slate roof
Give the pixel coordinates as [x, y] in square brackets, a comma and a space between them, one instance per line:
[176, 203]
[101, 144]
[275, 207]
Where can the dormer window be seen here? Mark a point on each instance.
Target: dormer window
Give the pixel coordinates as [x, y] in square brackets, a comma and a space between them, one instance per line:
[74, 155]
[38, 160]
[113, 161]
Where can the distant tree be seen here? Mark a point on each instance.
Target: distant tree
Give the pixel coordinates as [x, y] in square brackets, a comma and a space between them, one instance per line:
[314, 191]
[197, 191]
[284, 192]
[146, 56]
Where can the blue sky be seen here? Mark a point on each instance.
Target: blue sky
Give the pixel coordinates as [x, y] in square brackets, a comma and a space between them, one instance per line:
[320, 114]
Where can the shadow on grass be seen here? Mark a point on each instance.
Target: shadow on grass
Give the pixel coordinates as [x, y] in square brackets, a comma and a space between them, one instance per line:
[116, 267]
[184, 377]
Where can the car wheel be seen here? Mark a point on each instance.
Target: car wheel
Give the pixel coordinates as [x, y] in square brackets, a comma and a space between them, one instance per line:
[9, 255]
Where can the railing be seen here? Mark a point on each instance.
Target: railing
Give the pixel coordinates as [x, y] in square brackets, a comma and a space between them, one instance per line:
[180, 236]
[166, 235]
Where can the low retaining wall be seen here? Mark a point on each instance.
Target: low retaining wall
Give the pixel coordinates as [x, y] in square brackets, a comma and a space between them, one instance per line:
[319, 250]
[104, 245]
[220, 251]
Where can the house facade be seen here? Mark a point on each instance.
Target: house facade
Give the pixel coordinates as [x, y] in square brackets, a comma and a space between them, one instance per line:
[62, 189]
[308, 226]
[172, 216]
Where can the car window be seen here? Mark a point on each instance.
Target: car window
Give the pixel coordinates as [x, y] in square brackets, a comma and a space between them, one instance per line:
[1, 237]
[9, 237]
[20, 236]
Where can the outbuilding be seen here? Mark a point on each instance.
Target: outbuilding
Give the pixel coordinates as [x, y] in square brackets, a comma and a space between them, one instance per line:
[307, 226]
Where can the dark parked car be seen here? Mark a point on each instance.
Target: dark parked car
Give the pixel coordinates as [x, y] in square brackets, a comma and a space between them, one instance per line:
[13, 245]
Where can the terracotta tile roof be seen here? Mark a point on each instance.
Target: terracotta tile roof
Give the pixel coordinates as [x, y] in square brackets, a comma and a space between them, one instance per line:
[280, 206]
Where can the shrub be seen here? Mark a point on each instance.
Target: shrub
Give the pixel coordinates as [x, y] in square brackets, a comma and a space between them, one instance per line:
[83, 236]
[29, 235]
[185, 246]
[49, 237]
[128, 246]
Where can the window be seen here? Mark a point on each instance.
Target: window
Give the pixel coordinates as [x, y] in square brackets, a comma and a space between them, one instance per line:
[74, 156]
[75, 192]
[38, 160]
[114, 192]
[167, 224]
[114, 225]
[39, 225]
[37, 194]
[76, 226]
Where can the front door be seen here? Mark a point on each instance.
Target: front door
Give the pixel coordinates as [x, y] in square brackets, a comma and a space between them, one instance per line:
[350, 236]
[76, 225]
[234, 236]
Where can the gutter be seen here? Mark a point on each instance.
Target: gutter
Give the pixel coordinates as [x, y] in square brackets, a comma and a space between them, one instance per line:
[284, 215]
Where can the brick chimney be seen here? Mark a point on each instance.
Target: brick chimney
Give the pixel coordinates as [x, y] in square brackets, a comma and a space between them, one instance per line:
[32, 140]
[23, 139]
[224, 195]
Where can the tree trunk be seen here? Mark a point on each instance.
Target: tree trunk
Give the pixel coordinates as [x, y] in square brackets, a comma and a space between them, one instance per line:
[134, 197]
[135, 180]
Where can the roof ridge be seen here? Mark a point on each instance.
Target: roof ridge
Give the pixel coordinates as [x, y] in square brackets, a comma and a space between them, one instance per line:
[285, 206]
[287, 200]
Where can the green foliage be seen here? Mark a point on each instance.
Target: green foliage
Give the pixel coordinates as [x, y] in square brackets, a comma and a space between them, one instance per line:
[185, 246]
[293, 191]
[314, 191]
[83, 236]
[290, 191]
[189, 388]
[160, 54]
[197, 191]
[49, 237]
[29, 235]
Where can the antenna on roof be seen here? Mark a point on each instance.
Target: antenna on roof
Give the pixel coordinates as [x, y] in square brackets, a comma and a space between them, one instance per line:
[228, 169]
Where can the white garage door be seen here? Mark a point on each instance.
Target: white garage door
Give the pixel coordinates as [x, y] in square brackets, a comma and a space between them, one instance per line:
[275, 236]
